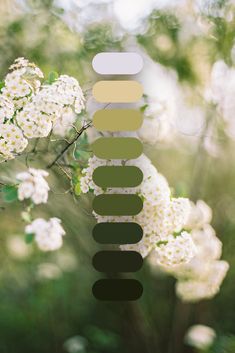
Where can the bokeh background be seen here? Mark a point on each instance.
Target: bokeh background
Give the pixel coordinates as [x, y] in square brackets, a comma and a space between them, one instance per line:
[45, 298]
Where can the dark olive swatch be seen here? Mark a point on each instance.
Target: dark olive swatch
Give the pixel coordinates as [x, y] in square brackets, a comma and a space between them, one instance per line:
[117, 261]
[117, 233]
[117, 148]
[117, 289]
[117, 204]
[117, 176]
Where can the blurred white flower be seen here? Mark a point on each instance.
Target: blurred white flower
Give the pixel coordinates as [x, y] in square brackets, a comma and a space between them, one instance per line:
[17, 247]
[206, 287]
[65, 122]
[200, 336]
[48, 271]
[221, 92]
[48, 234]
[76, 344]
[33, 185]
[199, 215]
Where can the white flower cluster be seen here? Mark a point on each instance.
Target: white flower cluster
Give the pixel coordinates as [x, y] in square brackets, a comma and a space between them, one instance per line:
[53, 104]
[48, 234]
[12, 141]
[33, 185]
[162, 218]
[22, 82]
[30, 110]
[6, 109]
[201, 278]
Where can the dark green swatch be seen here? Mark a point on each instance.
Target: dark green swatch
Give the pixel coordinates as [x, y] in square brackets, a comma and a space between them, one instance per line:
[117, 289]
[117, 204]
[117, 261]
[117, 233]
[117, 176]
[117, 148]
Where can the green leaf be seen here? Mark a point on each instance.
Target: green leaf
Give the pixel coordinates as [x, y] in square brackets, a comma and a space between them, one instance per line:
[77, 189]
[10, 193]
[29, 237]
[2, 84]
[52, 77]
[83, 155]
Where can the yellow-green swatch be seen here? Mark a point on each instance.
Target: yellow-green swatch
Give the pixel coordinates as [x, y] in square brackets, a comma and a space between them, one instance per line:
[117, 148]
[117, 120]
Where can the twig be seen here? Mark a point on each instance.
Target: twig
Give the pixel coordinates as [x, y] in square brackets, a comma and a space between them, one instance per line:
[64, 171]
[69, 145]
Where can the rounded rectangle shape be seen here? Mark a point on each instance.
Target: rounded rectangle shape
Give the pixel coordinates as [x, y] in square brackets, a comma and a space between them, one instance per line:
[114, 63]
[117, 120]
[117, 204]
[117, 261]
[117, 233]
[117, 176]
[117, 91]
[117, 148]
[117, 289]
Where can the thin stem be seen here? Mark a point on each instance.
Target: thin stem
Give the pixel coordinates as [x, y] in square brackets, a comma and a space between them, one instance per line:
[69, 144]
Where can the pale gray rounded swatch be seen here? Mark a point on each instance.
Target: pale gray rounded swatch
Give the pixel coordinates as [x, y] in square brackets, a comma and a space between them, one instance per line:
[113, 63]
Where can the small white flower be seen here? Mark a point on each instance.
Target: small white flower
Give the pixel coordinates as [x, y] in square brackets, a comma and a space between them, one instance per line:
[48, 234]
[200, 336]
[33, 185]
[6, 109]
[12, 141]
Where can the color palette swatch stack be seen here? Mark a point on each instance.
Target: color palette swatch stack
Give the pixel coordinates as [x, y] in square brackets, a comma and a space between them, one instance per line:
[115, 176]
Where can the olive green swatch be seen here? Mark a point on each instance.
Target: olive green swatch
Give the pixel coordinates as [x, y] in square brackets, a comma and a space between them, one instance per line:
[117, 176]
[117, 233]
[117, 204]
[117, 148]
[117, 120]
[117, 261]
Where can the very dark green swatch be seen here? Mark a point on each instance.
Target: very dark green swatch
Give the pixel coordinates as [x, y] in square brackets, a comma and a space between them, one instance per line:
[117, 176]
[117, 204]
[117, 261]
[117, 233]
[117, 289]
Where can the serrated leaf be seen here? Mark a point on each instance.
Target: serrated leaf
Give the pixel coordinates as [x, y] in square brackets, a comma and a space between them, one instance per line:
[29, 237]
[10, 193]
